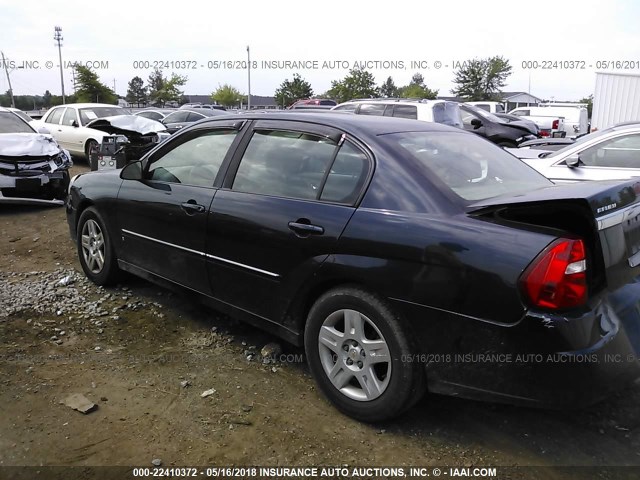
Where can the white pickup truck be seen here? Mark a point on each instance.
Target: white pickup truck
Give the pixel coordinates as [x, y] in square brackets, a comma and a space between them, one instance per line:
[550, 125]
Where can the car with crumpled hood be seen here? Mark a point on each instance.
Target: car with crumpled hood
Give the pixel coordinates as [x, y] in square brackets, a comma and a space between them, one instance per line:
[33, 167]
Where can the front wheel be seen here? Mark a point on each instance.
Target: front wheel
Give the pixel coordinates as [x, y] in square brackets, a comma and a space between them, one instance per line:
[89, 148]
[360, 355]
[95, 250]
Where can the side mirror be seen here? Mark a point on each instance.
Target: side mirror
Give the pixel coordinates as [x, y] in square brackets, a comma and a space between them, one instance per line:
[74, 124]
[476, 123]
[573, 161]
[132, 171]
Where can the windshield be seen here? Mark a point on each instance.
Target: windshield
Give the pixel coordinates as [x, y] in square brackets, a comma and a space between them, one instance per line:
[88, 114]
[10, 123]
[468, 165]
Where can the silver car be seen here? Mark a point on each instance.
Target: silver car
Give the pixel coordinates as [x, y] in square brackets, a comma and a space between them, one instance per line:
[611, 154]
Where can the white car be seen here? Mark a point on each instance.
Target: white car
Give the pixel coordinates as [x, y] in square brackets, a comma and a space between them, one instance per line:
[439, 111]
[33, 167]
[67, 124]
[610, 154]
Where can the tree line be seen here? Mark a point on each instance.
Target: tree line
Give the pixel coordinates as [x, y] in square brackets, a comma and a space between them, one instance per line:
[477, 79]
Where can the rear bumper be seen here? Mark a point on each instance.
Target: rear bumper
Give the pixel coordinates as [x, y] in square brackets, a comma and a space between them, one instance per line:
[543, 360]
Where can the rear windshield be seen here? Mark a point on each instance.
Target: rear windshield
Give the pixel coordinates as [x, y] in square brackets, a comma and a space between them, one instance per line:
[447, 113]
[471, 167]
[10, 123]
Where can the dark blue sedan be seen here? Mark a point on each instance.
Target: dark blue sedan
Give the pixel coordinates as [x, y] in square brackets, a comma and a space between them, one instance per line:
[403, 255]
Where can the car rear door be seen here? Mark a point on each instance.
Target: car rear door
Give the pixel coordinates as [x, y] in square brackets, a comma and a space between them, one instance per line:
[163, 217]
[289, 193]
[67, 131]
[52, 122]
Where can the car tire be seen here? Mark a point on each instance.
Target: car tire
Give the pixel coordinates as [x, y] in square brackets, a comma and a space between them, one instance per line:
[95, 250]
[346, 360]
[90, 146]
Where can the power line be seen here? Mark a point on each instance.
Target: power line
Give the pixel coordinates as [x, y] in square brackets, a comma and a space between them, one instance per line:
[6, 70]
[58, 38]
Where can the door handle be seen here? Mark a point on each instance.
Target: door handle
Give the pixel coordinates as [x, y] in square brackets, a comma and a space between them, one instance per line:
[303, 228]
[191, 207]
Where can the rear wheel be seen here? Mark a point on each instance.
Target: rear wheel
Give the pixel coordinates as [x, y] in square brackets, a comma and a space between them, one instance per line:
[95, 250]
[359, 353]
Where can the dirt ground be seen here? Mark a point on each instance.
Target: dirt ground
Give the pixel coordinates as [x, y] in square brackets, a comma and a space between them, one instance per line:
[132, 355]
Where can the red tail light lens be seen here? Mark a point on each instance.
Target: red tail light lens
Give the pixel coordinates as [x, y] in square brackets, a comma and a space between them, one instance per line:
[557, 278]
[555, 124]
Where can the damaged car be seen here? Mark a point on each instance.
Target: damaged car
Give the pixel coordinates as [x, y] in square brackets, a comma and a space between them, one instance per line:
[33, 167]
[128, 138]
[404, 256]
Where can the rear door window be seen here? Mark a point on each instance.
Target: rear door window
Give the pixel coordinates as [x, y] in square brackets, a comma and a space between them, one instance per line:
[285, 164]
[54, 116]
[406, 111]
[372, 109]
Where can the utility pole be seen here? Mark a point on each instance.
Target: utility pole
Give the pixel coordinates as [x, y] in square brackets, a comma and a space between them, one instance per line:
[249, 78]
[58, 38]
[6, 70]
[114, 86]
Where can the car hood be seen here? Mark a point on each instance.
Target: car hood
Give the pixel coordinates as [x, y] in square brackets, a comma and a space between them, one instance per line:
[127, 125]
[28, 145]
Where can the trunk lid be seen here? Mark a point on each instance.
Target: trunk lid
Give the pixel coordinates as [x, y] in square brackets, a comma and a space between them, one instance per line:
[605, 214]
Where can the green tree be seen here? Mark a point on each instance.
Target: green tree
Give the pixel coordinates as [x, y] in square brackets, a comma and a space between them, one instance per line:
[291, 91]
[589, 101]
[357, 84]
[47, 99]
[155, 82]
[90, 89]
[388, 89]
[169, 89]
[227, 95]
[136, 92]
[417, 88]
[481, 79]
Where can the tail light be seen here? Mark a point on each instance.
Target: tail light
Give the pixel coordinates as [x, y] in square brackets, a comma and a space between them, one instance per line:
[555, 124]
[545, 133]
[557, 278]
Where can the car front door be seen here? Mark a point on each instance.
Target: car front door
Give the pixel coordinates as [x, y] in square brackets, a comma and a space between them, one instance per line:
[163, 217]
[288, 195]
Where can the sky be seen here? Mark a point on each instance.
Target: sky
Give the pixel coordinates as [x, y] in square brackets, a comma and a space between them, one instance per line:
[555, 48]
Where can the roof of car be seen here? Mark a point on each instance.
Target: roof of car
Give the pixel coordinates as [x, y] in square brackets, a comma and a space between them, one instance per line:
[368, 124]
[88, 105]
